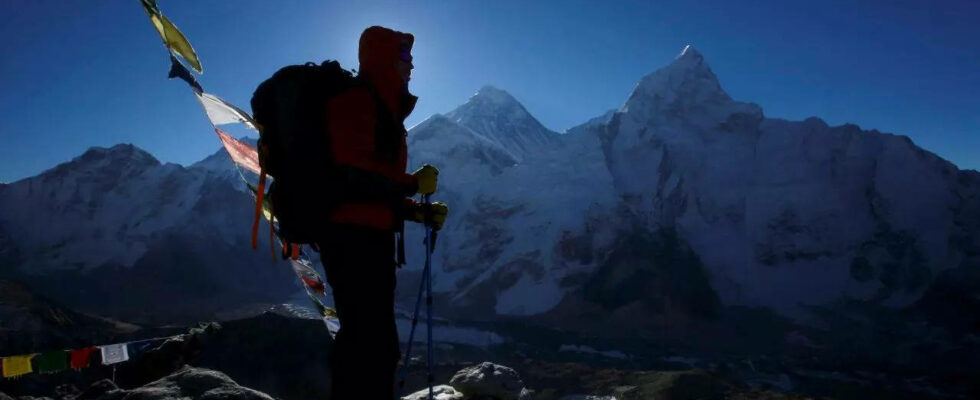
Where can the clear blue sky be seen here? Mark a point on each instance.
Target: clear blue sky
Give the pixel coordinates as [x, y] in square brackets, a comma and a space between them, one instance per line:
[76, 74]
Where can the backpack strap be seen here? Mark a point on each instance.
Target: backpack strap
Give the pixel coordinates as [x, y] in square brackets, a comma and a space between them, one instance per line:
[290, 251]
[272, 241]
[400, 245]
[386, 131]
[259, 197]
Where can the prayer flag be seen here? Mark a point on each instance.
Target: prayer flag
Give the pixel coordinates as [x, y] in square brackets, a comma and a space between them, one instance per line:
[80, 357]
[266, 211]
[221, 112]
[333, 326]
[114, 353]
[52, 361]
[321, 309]
[314, 285]
[172, 37]
[177, 70]
[17, 365]
[309, 276]
[240, 152]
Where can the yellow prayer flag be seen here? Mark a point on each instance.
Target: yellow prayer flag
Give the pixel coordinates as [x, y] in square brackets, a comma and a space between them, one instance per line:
[17, 366]
[172, 37]
[266, 205]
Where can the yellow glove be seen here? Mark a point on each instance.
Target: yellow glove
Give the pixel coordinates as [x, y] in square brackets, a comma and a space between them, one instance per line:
[432, 214]
[428, 179]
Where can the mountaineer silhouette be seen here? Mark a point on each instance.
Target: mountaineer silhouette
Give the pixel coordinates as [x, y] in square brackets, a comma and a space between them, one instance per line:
[335, 145]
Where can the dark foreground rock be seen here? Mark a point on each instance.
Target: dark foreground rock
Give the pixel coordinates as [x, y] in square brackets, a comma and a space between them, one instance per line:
[441, 392]
[488, 380]
[284, 357]
[186, 383]
[485, 381]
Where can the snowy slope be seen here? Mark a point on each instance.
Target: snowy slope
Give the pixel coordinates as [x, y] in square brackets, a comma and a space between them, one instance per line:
[511, 225]
[593, 123]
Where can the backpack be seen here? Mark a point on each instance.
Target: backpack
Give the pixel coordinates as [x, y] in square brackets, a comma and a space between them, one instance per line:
[294, 148]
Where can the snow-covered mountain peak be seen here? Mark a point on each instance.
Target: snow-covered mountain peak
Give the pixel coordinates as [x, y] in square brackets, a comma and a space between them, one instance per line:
[119, 160]
[689, 53]
[686, 89]
[498, 116]
[119, 153]
[490, 103]
[494, 95]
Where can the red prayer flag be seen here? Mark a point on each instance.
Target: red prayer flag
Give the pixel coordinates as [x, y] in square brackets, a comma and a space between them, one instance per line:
[241, 153]
[317, 286]
[80, 357]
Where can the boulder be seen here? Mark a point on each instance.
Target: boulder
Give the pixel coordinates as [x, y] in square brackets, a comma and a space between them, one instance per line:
[488, 381]
[441, 392]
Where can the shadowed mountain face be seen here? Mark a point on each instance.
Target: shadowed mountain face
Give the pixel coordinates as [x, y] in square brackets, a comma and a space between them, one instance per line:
[117, 233]
[286, 357]
[29, 322]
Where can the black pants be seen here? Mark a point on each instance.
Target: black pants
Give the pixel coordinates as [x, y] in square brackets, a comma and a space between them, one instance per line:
[360, 267]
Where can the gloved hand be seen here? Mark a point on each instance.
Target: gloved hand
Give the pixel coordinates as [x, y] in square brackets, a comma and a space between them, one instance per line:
[432, 214]
[428, 179]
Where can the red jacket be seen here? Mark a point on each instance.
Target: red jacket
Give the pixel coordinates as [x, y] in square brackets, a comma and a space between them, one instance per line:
[376, 179]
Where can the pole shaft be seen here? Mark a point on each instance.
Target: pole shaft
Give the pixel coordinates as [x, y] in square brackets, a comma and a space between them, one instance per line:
[428, 294]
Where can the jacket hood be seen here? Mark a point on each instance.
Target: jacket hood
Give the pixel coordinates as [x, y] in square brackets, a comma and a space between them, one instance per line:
[378, 51]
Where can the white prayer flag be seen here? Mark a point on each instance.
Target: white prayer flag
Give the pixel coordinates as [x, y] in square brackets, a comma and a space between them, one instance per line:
[114, 353]
[221, 112]
[333, 326]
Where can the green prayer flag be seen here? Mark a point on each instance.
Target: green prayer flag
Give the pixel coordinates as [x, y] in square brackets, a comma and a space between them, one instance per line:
[52, 361]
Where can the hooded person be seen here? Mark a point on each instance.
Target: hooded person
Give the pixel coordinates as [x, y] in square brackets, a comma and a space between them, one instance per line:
[358, 247]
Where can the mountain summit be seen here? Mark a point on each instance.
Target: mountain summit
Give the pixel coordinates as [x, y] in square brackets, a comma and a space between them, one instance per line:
[686, 89]
[118, 157]
[498, 116]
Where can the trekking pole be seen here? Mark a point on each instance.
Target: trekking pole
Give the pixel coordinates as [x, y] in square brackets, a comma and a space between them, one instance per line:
[411, 335]
[428, 294]
[424, 285]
